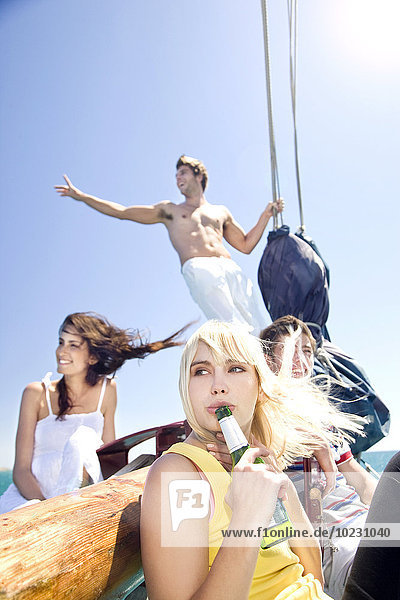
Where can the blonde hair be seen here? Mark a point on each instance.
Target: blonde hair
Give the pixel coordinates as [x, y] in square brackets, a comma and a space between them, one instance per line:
[289, 414]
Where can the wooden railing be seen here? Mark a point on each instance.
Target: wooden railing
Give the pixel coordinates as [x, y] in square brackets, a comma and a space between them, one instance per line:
[83, 545]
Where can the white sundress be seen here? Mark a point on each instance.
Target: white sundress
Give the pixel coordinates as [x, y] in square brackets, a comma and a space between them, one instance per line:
[62, 448]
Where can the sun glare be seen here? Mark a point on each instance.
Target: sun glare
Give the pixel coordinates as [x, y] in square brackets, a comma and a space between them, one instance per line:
[370, 31]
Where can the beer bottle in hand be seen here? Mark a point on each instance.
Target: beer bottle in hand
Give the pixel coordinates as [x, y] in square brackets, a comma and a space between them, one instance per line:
[280, 527]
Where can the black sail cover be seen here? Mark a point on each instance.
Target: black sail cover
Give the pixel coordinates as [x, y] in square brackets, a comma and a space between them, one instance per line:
[294, 280]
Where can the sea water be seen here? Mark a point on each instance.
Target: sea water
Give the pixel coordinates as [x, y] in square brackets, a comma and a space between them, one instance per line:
[378, 460]
[5, 480]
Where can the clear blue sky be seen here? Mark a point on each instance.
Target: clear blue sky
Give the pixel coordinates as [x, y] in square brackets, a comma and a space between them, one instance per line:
[111, 93]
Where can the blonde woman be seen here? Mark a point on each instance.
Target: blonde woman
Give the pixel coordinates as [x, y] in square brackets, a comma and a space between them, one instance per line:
[223, 365]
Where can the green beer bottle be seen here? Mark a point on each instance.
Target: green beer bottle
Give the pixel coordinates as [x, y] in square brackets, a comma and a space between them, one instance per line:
[280, 527]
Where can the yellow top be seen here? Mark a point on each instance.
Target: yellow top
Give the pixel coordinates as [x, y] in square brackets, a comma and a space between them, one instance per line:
[278, 573]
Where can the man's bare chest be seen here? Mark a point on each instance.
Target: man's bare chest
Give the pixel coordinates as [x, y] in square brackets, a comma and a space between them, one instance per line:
[198, 218]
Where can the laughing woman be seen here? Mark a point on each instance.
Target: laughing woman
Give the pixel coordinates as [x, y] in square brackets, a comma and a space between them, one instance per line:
[62, 423]
[191, 559]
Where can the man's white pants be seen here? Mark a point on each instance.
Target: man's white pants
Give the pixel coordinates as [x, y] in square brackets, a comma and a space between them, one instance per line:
[222, 291]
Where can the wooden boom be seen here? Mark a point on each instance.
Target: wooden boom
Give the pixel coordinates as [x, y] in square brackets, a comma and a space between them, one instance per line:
[83, 545]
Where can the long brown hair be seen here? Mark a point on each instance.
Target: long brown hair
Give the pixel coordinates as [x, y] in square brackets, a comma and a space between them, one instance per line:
[110, 345]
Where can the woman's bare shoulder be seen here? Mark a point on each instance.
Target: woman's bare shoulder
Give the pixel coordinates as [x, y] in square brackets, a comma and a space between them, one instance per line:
[112, 384]
[171, 463]
[32, 398]
[38, 388]
[110, 397]
[34, 390]
[168, 467]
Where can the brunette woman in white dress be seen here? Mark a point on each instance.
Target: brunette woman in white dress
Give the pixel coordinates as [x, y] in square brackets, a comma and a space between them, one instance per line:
[63, 422]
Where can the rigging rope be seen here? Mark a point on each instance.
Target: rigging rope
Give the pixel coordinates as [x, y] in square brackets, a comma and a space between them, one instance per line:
[274, 164]
[292, 14]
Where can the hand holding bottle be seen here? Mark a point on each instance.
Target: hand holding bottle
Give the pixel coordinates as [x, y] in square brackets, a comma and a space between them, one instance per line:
[254, 491]
[221, 452]
[279, 527]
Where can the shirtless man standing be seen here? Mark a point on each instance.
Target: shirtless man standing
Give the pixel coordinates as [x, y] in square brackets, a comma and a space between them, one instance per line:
[196, 230]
